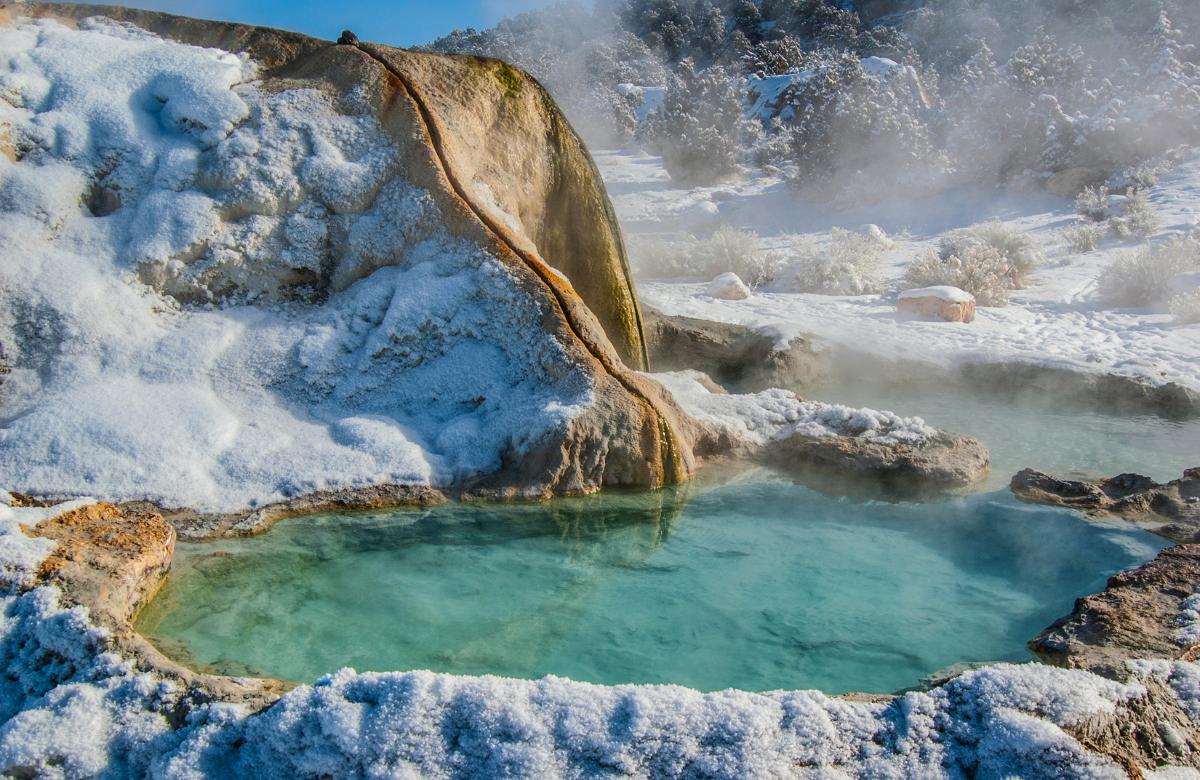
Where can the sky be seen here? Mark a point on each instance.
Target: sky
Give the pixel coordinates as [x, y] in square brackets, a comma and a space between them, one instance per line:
[396, 22]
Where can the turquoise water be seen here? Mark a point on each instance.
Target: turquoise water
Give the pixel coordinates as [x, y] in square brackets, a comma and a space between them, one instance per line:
[756, 584]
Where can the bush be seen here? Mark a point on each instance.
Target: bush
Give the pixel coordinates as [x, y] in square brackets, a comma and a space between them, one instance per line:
[1018, 251]
[1138, 218]
[1144, 278]
[850, 264]
[1092, 204]
[1186, 307]
[975, 267]
[727, 249]
[1085, 237]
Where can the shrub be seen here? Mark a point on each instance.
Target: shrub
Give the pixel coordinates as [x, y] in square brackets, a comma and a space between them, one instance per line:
[850, 264]
[1092, 204]
[975, 267]
[1144, 278]
[1138, 218]
[1018, 251]
[1186, 307]
[727, 249]
[1085, 237]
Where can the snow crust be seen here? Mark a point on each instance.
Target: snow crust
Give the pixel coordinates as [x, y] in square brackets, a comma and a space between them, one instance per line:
[942, 292]
[70, 708]
[758, 418]
[155, 349]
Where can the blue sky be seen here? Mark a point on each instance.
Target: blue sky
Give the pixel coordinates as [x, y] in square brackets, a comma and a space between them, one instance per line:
[398, 22]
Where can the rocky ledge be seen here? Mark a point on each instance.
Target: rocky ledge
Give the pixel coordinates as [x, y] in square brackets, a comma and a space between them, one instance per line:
[1171, 509]
[1142, 614]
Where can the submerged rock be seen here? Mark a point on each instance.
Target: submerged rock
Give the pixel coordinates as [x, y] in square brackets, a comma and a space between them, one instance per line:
[1171, 509]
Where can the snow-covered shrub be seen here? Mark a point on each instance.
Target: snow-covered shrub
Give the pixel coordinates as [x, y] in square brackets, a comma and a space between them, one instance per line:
[850, 264]
[1092, 204]
[1186, 307]
[1144, 277]
[726, 250]
[1084, 237]
[1020, 254]
[978, 268]
[698, 127]
[1138, 218]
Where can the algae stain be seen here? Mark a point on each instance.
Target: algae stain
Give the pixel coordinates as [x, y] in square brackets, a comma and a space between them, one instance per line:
[508, 78]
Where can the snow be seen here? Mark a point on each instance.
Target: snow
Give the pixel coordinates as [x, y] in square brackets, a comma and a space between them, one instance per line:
[758, 418]
[70, 708]
[728, 286]
[1058, 321]
[1189, 621]
[155, 351]
[941, 292]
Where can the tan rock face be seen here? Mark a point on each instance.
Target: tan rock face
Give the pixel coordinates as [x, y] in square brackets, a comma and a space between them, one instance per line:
[933, 306]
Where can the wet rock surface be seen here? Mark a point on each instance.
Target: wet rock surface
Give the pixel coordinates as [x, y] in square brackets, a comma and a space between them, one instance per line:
[737, 357]
[1135, 616]
[1169, 509]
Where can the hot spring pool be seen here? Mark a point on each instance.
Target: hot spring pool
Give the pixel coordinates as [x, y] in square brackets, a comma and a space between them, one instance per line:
[757, 584]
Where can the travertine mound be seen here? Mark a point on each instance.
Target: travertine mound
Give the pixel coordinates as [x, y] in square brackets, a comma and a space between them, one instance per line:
[511, 286]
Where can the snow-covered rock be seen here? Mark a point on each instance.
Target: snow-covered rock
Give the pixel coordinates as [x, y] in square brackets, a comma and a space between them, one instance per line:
[220, 291]
[943, 301]
[728, 287]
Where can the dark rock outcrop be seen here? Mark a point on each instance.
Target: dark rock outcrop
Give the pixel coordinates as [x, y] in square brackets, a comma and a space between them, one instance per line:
[1171, 509]
[737, 357]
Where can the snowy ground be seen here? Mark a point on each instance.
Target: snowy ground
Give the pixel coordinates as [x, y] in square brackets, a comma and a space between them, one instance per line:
[1056, 321]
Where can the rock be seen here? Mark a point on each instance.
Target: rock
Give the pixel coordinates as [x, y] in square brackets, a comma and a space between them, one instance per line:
[506, 174]
[1108, 392]
[738, 357]
[944, 302]
[347, 38]
[1134, 617]
[947, 460]
[728, 287]
[1171, 509]
[112, 562]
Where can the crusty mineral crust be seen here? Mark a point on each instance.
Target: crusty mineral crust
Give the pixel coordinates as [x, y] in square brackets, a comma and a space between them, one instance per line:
[113, 562]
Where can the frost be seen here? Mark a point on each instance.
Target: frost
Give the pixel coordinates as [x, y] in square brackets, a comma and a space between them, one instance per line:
[758, 418]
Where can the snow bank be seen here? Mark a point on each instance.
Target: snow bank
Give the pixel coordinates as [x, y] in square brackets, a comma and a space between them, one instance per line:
[68, 708]
[1189, 621]
[758, 418]
[160, 237]
[728, 286]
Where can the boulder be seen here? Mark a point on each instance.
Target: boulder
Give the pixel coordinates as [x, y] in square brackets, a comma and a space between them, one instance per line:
[728, 287]
[943, 302]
